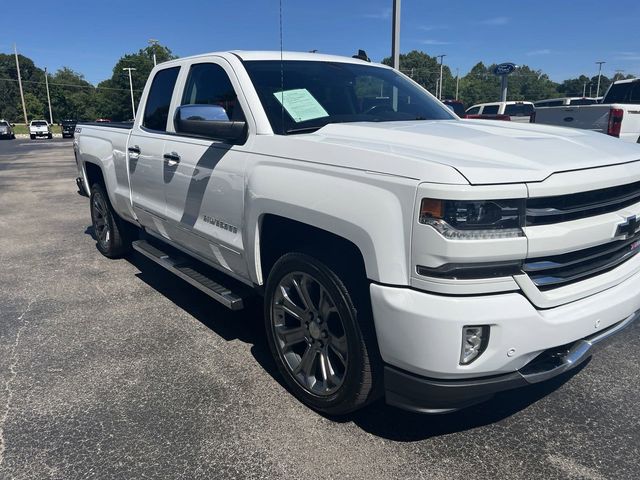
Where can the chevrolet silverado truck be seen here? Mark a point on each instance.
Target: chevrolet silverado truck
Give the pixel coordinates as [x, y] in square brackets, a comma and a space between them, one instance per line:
[399, 251]
[617, 115]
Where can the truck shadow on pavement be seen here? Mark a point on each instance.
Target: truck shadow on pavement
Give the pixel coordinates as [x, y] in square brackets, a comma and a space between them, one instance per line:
[378, 419]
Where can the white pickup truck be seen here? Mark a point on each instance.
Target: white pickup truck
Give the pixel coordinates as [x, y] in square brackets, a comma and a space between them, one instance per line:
[617, 115]
[401, 252]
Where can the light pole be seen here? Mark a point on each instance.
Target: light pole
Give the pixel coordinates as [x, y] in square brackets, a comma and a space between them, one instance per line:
[24, 108]
[457, 82]
[441, 57]
[152, 43]
[133, 105]
[46, 82]
[599, 75]
[395, 35]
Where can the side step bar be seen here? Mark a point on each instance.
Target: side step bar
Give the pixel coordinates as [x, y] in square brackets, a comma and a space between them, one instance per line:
[184, 268]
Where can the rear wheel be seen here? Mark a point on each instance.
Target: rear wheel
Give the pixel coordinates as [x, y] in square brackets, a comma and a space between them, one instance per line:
[113, 235]
[320, 335]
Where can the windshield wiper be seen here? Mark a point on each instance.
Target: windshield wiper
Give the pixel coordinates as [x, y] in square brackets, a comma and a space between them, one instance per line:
[303, 129]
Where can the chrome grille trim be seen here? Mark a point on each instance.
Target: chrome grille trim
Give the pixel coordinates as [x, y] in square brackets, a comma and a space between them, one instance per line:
[559, 270]
[563, 208]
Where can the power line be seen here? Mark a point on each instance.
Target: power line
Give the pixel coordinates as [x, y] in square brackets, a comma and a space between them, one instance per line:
[68, 85]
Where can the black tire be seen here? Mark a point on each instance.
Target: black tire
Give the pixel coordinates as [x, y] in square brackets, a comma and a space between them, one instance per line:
[33, 137]
[113, 235]
[361, 373]
[50, 136]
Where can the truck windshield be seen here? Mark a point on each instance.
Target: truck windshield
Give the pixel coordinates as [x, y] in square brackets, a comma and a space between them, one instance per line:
[303, 96]
[39, 124]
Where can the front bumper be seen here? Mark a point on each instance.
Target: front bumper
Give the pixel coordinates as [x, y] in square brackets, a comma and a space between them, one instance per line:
[425, 395]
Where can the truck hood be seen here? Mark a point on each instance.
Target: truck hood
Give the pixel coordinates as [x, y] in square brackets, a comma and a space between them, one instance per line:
[484, 152]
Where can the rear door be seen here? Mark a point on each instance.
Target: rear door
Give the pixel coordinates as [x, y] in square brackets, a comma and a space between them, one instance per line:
[204, 178]
[145, 150]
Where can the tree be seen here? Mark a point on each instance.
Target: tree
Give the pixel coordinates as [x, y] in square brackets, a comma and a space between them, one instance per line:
[72, 97]
[33, 84]
[425, 70]
[35, 108]
[113, 98]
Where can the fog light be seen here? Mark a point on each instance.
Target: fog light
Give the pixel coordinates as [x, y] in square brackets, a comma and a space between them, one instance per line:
[474, 342]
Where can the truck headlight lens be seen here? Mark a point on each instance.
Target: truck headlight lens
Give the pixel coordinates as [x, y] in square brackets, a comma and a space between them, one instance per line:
[474, 219]
[474, 343]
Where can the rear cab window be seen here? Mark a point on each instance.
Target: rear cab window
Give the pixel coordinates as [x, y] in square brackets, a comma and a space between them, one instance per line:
[519, 110]
[490, 109]
[156, 112]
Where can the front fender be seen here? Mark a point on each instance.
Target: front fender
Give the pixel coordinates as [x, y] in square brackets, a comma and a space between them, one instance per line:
[370, 210]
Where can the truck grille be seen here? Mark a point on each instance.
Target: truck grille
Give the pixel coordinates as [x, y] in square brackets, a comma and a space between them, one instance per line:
[559, 270]
[546, 210]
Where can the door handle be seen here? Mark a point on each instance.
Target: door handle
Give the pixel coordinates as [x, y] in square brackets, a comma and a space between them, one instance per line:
[134, 149]
[172, 159]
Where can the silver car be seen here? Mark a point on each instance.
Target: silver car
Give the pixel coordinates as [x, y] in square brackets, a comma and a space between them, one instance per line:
[6, 130]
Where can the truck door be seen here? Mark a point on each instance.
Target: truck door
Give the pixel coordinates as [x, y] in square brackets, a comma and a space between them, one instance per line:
[145, 150]
[204, 178]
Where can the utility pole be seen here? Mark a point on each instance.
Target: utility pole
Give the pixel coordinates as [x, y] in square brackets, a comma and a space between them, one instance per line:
[46, 82]
[457, 81]
[24, 108]
[133, 105]
[395, 35]
[441, 57]
[153, 43]
[599, 75]
[584, 89]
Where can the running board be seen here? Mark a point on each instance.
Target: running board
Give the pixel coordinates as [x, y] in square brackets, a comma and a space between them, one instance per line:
[184, 268]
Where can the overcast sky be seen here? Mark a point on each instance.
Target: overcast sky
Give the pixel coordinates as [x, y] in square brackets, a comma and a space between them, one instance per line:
[563, 38]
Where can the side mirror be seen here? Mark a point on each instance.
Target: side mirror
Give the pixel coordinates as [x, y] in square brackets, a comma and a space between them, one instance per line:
[209, 121]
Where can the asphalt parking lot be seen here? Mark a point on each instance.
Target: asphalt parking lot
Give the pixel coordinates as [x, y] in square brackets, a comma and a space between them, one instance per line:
[117, 369]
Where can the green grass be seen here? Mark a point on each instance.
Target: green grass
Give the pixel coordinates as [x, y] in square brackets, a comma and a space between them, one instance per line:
[21, 128]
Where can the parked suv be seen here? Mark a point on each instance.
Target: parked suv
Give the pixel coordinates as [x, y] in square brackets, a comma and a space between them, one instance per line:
[39, 128]
[68, 128]
[523, 112]
[6, 130]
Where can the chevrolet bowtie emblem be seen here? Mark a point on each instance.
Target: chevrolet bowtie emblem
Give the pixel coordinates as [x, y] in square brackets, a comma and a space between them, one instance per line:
[628, 228]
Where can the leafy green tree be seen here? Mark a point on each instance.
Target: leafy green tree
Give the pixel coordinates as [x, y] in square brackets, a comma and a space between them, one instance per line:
[33, 84]
[425, 70]
[35, 108]
[113, 98]
[72, 97]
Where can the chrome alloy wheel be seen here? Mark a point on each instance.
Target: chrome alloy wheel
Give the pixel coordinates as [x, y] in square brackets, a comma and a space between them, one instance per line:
[309, 333]
[99, 214]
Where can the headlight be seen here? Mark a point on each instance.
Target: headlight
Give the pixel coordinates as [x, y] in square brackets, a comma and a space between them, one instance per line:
[474, 219]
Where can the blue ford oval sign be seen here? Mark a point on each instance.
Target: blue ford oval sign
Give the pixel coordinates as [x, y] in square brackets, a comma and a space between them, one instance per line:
[504, 69]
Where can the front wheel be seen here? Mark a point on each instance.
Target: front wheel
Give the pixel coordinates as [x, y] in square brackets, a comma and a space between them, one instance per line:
[111, 232]
[320, 336]
[33, 137]
[50, 136]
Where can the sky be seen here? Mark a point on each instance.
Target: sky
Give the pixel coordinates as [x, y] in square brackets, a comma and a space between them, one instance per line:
[562, 38]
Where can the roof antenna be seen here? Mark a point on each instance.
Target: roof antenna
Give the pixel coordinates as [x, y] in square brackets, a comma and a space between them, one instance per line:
[281, 73]
[362, 55]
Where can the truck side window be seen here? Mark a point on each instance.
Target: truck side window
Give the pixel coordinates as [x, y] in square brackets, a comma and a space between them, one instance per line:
[209, 84]
[490, 110]
[156, 112]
